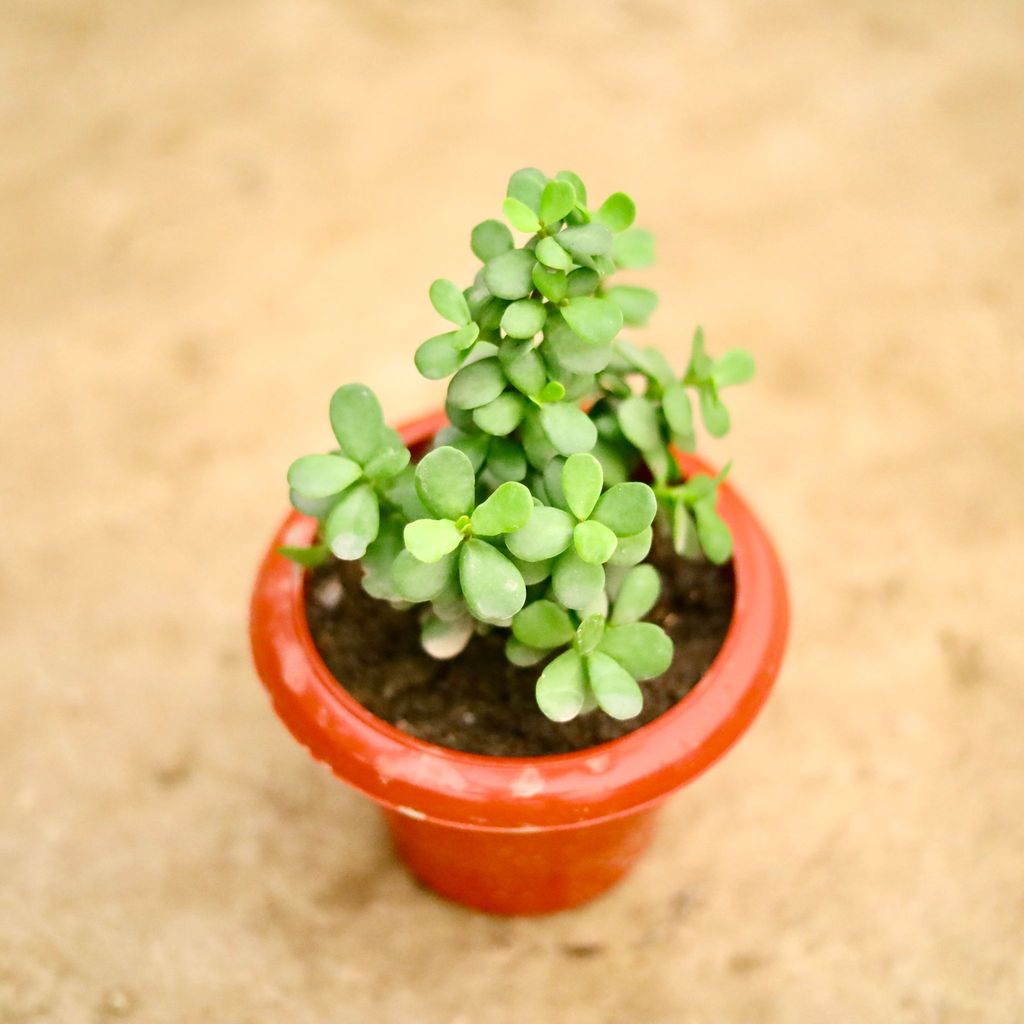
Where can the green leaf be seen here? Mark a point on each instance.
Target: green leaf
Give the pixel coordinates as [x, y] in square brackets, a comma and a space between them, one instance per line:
[675, 404]
[684, 532]
[637, 594]
[633, 249]
[577, 184]
[489, 239]
[539, 450]
[638, 419]
[596, 320]
[735, 367]
[527, 185]
[543, 625]
[443, 639]
[557, 199]
[448, 300]
[552, 255]
[632, 550]
[510, 275]
[586, 240]
[614, 462]
[533, 572]
[421, 581]
[507, 509]
[552, 284]
[315, 507]
[357, 421]
[637, 304]
[553, 483]
[643, 649]
[713, 412]
[401, 492]
[520, 216]
[523, 366]
[429, 540]
[565, 350]
[378, 562]
[524, 318]
[320, 476]
[438, 357]
[446, 483]
[492, 586]
[308, 558]
[698, 371]
[594, 542]
[568, 427]
[582, 282]
[576, 583]
[626, 508]
[353, 523]
[615, 690]
[617, 212]
[521, 655]
[502, 415]
[505, 459]
[582, 480]
[561, 688]
[589, 634]
[715, 537]
[553, 391]
[547, 533]
[476, 384]
[387, 464]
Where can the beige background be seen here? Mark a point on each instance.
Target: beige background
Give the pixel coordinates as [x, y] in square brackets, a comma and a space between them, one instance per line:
[213, 213]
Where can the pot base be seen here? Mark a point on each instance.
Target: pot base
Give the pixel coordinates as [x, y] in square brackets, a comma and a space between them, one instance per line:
[521, 872]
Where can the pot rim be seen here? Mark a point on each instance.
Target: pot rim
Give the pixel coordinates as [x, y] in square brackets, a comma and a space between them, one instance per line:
[482, 791]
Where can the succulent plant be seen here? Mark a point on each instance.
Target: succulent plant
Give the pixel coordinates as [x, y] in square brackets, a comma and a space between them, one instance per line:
[530, 514]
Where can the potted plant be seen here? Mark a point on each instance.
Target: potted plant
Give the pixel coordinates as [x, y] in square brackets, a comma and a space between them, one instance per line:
[543, 615]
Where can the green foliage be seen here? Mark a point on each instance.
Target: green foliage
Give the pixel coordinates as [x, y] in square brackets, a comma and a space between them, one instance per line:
[530, 515]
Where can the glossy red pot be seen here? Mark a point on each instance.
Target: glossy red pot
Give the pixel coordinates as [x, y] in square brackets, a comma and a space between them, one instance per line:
[535, 834]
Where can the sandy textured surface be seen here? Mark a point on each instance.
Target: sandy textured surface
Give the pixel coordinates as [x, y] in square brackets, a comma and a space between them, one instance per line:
[211, 213]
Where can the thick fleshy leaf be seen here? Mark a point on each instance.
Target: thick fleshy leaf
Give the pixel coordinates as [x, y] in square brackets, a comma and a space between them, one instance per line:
[492, 586]
[523, 318]
[379, 560]
[713, 412]
[637, 304]
[443, 639]
[507, 509]
[387, 464]
[649, 361]
[582, 282]
[502, 415]
[353, 523]
[430, 540]
[319, 476]
[520, 216]
[527, 185]
[568, 427]
[615, 690]
[615, 462]
[637, 593]
[698, 370]
[675, 404]
[308, 558]
[577, 183]
[547, 533]
[539, 450]
[533, 572]
[735, 367]
[553, 483]
[596, 320]
[523, 367]
[552, 284]
[401, 492]
[634, 249]
[561, 688]
[522, 655]
[557, 199]
[589, 634]
[421, 581]
[617, 212]
[594, 542]
[638, 420]
[576, 583]
[489, 239]
[552, 255]
[448, 300]
[684, 531]
[715, 537]
[474, 446]
[632, 550]
[626, 508]
[586, 240]
[505, 459]
[582, 480]
[565, 350]
[643, 649]
[476, 384]
[446, 483]
[357, 421]
[316, 507]
[510, 275]
[543, 625]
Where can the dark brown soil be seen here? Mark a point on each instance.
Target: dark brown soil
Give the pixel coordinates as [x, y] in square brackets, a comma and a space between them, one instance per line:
[480, 703]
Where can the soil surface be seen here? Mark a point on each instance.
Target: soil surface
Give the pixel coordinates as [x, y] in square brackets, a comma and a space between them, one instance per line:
[478, 702]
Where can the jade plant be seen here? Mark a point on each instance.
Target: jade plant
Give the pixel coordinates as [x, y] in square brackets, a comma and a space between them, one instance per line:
[534, 511]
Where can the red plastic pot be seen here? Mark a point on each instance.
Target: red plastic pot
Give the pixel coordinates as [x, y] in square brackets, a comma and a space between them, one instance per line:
[522, 835]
